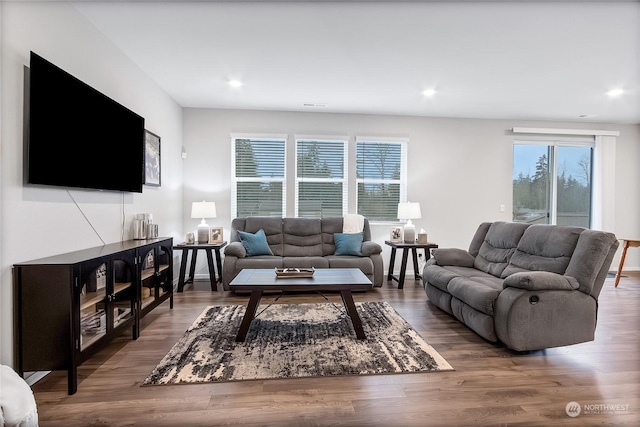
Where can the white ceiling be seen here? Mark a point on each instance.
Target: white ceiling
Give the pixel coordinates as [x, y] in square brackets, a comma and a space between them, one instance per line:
[512, 60]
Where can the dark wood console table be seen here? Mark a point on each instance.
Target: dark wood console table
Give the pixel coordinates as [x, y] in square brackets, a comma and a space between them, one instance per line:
[209, 248]
[408, 247]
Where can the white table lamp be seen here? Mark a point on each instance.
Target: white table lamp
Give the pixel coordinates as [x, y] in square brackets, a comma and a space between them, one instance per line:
[409, 211]
[203, 210]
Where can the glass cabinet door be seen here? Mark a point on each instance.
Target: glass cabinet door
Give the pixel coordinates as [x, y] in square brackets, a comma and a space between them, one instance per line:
[123, 296]
[93, 304]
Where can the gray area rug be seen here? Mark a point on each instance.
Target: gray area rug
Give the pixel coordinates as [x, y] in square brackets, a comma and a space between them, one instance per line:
[295, 340]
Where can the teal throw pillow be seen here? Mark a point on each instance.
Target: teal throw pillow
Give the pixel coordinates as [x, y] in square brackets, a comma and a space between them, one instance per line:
[255, 244]
[348, 243]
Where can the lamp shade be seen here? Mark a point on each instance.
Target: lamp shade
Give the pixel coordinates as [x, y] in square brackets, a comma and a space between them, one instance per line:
[203, 209]
[409, 210]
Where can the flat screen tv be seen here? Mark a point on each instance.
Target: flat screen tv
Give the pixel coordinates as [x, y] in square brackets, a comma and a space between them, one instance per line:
[79, 137]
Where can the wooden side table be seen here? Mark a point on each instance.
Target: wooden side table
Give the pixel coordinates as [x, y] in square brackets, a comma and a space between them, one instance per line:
[408, 247]
[209, 248]
[626, 244]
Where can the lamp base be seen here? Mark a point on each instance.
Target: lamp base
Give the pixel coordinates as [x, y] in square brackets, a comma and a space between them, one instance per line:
[203, 233]
[409, 233]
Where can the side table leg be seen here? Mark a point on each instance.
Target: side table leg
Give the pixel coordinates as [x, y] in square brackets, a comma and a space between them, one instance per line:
[622, 257]
[392, 260]
[212, 271]
[249, 314]
[414, 253]
[192, 269]
[403, 268]
[219, 266]
[183, 269]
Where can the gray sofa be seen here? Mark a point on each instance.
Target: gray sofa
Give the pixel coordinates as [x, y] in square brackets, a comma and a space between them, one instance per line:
[299, 242]
[529, 286]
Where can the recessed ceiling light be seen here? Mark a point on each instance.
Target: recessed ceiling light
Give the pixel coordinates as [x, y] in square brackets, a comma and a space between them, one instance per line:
[235, 83]
[429, 92]
[615, 92]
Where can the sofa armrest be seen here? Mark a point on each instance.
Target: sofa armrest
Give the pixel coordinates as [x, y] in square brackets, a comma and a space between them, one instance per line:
[235, 249]
[369, 248]
[453, 256]
[541, 280]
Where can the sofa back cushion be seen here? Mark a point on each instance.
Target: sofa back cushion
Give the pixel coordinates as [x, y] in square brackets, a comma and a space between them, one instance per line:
[302, 237]
[272, 229]
[591, 260]
[544, 248]
[498, 246]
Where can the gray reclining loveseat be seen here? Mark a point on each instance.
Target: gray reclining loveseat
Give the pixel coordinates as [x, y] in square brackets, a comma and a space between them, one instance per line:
[529, 286]
[300, 242]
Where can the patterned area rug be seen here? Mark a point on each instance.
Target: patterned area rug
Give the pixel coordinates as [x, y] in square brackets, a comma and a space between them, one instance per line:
[295, 340]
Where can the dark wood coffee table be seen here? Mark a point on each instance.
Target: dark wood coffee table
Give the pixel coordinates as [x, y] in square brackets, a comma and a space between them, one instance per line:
[343, 280]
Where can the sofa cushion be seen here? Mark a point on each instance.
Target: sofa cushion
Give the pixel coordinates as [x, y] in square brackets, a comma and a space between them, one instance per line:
[440, 276]
[330, 226]
[544, 248]
[477, 292]
[348, 243]
[498, 246]
[272, 227]
[341, 261]
[255, 244]
[305, 262]
[302, 237]
[261, 261]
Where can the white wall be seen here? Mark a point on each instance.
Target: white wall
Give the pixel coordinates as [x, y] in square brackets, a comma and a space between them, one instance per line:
[459, 169]
[38, 222]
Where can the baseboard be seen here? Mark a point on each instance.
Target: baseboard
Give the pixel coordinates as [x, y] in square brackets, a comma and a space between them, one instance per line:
[33, 377]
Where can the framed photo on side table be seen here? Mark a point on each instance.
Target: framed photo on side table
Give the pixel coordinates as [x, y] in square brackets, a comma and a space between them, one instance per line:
[151, 159]
[396, 234]
[215, 235]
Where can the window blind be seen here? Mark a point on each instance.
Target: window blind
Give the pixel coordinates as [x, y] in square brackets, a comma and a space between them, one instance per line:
[259, 173]
[321, 178]
[381, 169]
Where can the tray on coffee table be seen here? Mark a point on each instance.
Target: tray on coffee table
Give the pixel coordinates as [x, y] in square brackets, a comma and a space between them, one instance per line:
[284, 273]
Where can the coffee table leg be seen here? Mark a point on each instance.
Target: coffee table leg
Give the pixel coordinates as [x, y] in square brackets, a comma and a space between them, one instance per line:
[347, 300]
[249, 314]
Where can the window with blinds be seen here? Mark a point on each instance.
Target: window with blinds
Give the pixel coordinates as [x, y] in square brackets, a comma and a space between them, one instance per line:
[381, 170]
[259, 177]
[321, 177]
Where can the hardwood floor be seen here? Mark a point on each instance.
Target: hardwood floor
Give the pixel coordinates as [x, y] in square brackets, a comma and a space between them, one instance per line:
[490, 385]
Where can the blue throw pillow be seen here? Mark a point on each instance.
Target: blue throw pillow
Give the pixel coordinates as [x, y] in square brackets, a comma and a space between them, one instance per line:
[348, 243]
[255, 244]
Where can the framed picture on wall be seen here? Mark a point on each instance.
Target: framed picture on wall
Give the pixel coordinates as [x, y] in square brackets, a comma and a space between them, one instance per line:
[396, 234]
[215, 235]
[151, 159]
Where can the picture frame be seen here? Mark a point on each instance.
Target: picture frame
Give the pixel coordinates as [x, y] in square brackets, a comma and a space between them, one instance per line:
[215, 235]
[152, 164]
[395, 234]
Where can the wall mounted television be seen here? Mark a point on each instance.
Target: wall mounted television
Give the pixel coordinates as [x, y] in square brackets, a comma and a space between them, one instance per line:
[79, 137]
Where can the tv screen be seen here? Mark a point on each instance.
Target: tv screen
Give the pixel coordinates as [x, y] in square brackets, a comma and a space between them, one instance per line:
[79, 137]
